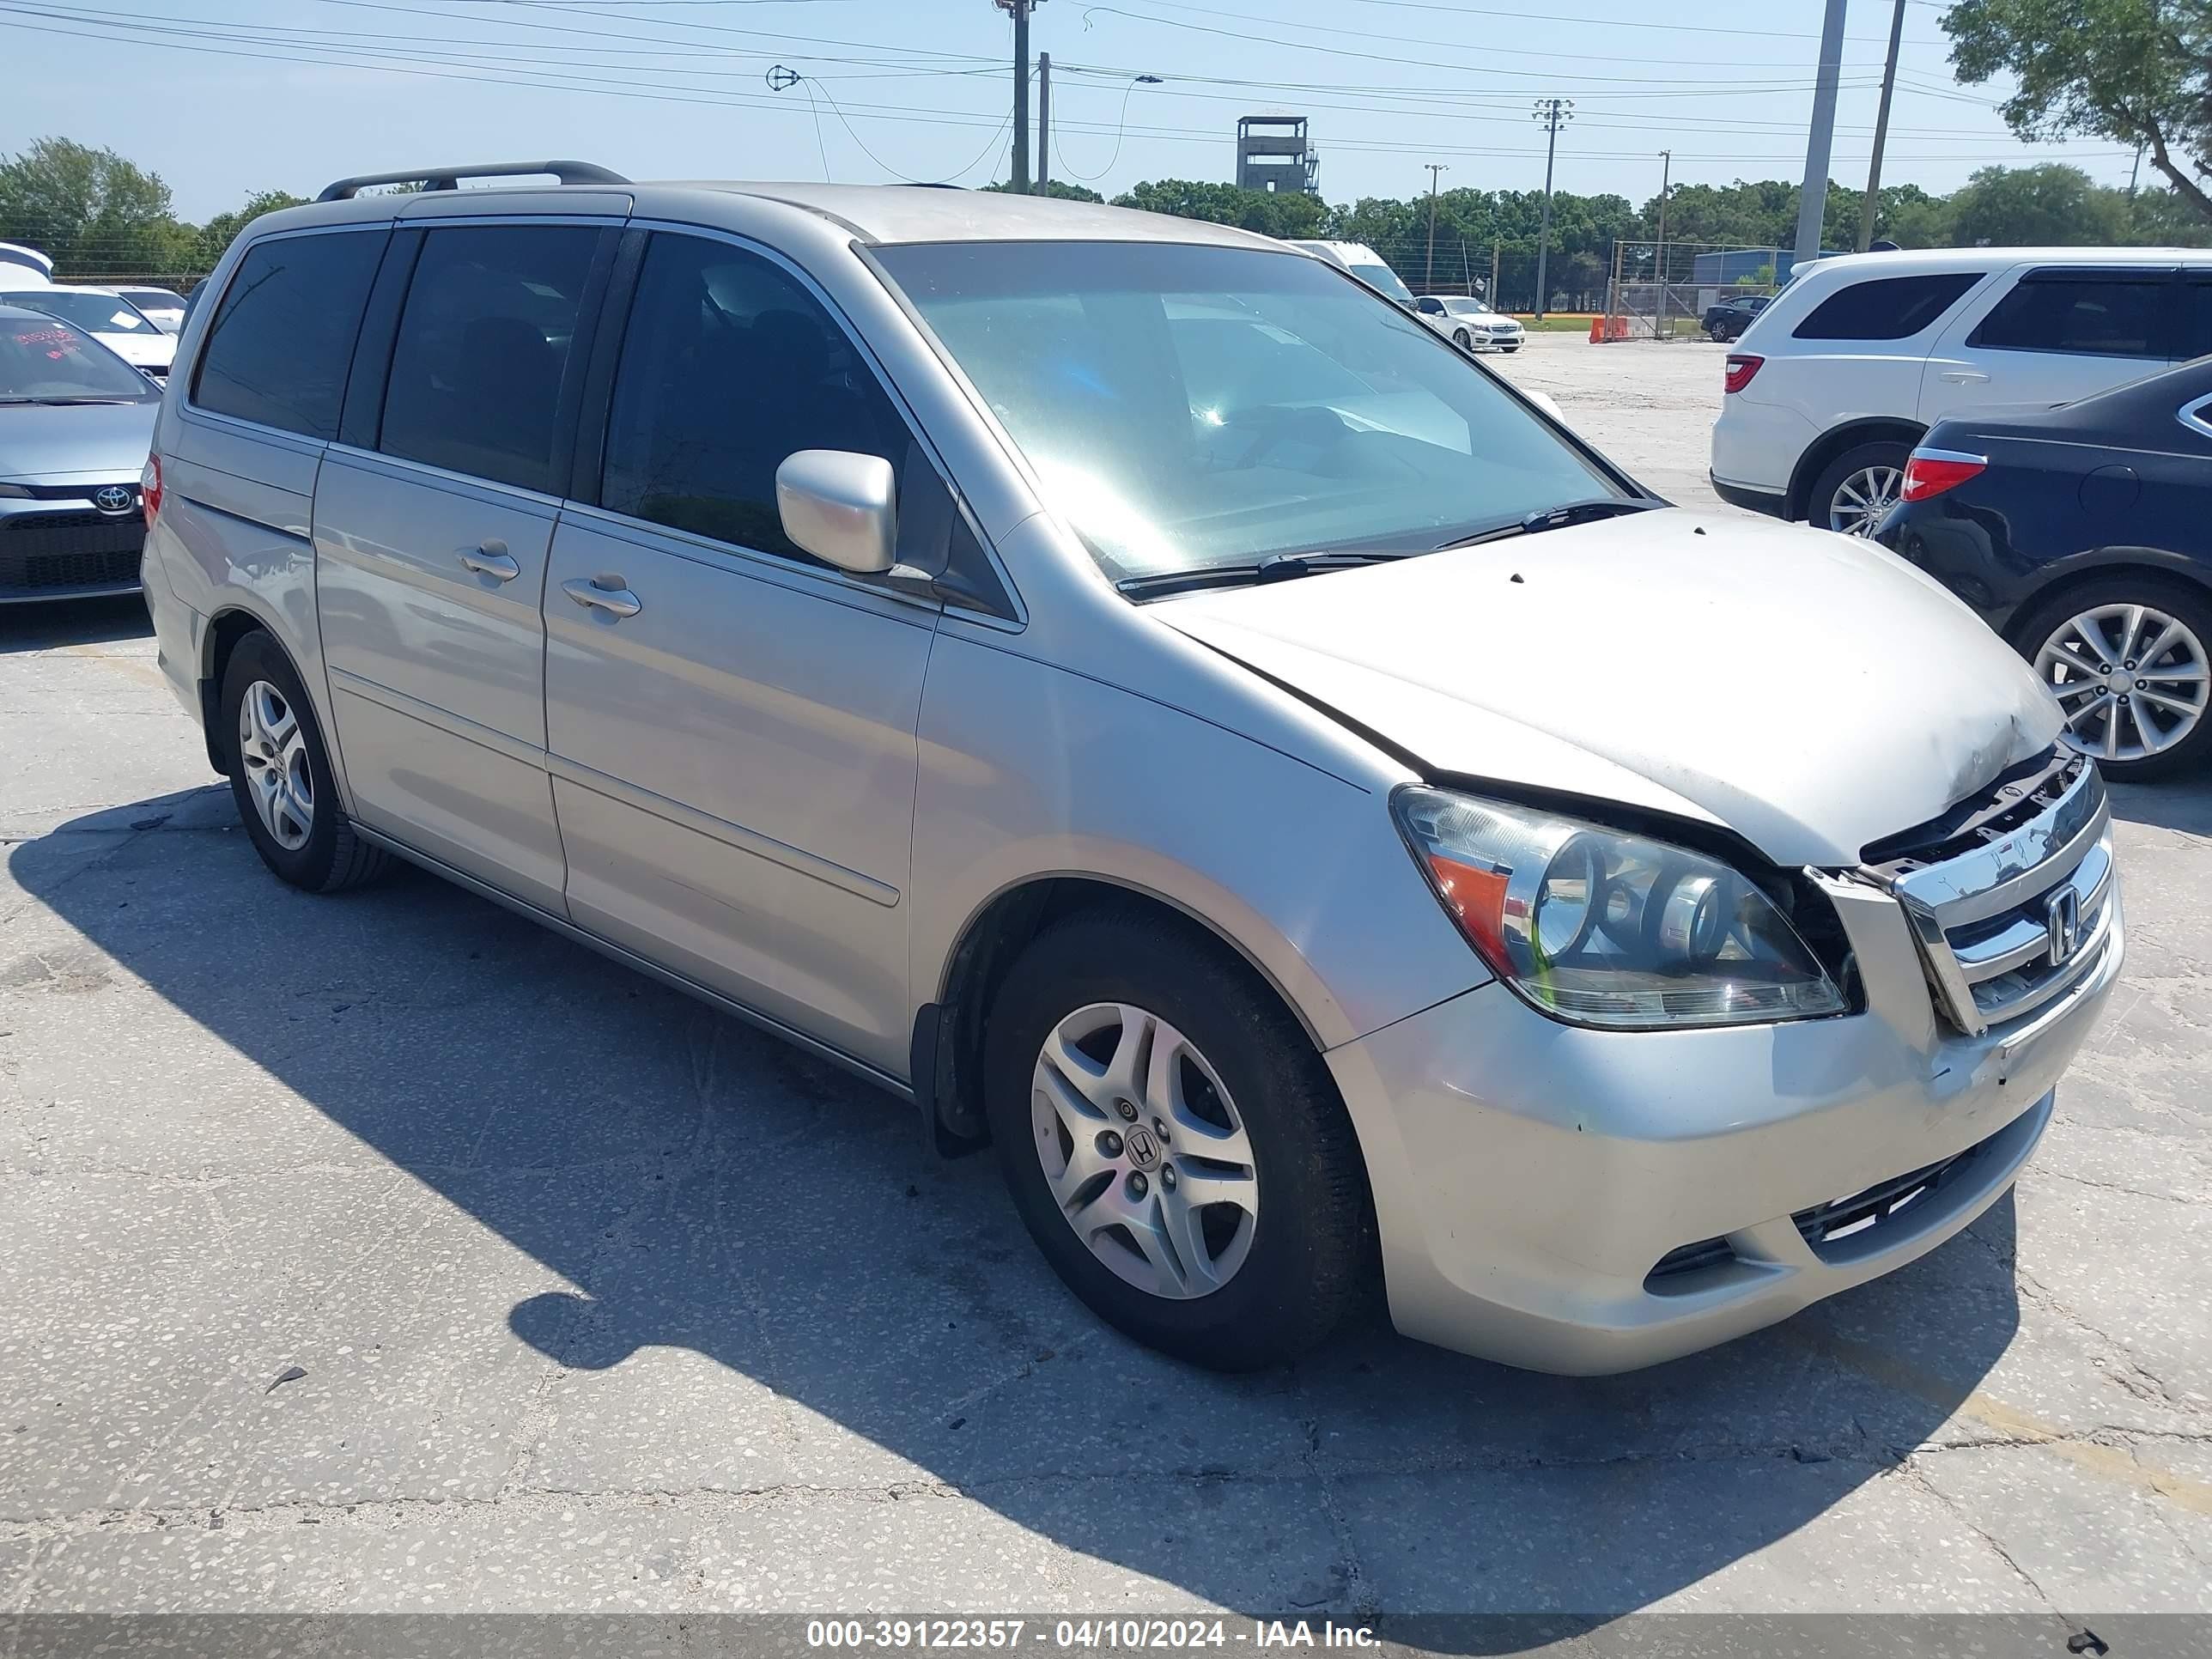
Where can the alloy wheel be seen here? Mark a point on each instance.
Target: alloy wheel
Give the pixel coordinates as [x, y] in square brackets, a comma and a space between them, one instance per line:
[273, 751]
[1863, 499]
[2130, 680]
[1144, 1150]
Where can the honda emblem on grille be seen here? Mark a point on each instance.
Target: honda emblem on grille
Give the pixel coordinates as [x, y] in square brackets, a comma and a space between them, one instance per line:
[2061, 915]
[112, 498]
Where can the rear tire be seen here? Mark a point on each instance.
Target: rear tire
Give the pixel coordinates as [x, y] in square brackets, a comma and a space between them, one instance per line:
[2159, 694]
[1255, 1281]
[1855, 492]
[280, 775]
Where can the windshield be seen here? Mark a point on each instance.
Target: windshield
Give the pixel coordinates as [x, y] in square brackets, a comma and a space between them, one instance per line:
[1192, 407]
[1467, 308]
[46, 358]
[98, 313]
[1382, 277]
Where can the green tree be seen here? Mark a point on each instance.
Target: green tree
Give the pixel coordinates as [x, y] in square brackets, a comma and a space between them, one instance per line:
[2032, 207]
[1057, 188]
[93, 212]
[2134, 71]
[218, 234]
[1270, 212]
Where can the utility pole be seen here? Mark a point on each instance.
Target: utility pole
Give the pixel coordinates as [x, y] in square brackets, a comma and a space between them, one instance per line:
[1555, 113]
[1018, 176]
[1497, 247]
[1044, 121]
[1880, 129]
[1659, 252]
[1429, 272]
[1821, 139]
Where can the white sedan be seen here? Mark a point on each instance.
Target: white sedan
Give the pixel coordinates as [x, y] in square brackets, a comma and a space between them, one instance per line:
[109, 319]
[1468, 324]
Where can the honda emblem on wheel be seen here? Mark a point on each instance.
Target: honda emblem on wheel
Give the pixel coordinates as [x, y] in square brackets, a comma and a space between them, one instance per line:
[2061, 913]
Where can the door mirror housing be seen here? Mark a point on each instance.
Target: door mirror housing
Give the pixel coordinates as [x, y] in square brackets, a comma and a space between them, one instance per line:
[840, 506]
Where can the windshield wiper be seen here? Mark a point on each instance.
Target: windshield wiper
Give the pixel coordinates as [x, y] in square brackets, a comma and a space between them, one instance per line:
[62, 402]
[1558, 518]
[1276, 567]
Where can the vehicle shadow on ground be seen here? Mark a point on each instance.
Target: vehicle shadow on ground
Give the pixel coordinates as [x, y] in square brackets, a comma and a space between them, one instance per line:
[2183, 803]
[73, 622]
[703, 1186]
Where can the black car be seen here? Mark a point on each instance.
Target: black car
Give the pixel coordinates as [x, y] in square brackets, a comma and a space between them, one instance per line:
[2083, 534]
[1728, 320]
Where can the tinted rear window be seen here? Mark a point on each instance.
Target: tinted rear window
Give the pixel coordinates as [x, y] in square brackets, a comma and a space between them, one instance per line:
[279, 349]
[484, 348]
[2114, 315]
[1887, 309]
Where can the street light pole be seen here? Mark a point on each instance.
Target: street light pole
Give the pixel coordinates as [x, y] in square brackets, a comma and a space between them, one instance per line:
[1880, 129]
[1553, 112]
[1429, 272]
[1659, 252]
[1820, 137]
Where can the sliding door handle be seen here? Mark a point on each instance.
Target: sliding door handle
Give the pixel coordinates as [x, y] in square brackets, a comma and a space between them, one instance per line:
[617, 602]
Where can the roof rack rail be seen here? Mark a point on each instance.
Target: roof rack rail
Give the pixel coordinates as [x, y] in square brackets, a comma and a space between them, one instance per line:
[568, 172]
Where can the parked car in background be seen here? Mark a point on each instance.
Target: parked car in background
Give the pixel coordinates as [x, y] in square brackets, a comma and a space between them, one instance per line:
[24, 267]
[1728, 320]
[1838, 379]
[164, 306]
[1364, 263]
[108, 318]
[1469, 323]
[75, 421]
[1596, 1017]
[2083, 534]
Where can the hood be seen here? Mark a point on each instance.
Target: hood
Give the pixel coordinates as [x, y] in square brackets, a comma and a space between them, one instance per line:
[1810, 692]
[102, 442]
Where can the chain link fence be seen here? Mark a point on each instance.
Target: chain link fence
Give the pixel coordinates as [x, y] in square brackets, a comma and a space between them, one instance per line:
[1664, 291]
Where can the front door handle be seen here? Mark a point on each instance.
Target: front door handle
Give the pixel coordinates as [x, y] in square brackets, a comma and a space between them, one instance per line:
[615, 601]
[489, 558]
[1964, 376]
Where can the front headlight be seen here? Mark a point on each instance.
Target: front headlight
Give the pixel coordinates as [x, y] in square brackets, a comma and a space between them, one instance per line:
[1601, 927]
[14, 492]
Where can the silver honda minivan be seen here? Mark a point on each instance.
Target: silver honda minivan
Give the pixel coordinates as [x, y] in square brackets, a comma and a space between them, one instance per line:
[1128, 690]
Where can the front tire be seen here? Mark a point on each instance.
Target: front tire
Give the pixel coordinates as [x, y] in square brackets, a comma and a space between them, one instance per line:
[2128, 658]
[1173, 1144]
[1855, 492]
[1462, 339]
[280, 775]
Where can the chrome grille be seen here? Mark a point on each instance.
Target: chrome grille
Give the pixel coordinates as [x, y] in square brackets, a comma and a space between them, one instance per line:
[2010, 898]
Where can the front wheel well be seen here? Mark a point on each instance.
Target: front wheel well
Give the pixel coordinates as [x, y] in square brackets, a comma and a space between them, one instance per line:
[948, 1038]
[1823, 450]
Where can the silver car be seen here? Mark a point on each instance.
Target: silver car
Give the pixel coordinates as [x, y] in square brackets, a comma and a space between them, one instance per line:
[75, 422]
[1128, 689]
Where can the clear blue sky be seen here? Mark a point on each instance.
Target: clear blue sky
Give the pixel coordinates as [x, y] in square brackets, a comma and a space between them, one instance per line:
[222, 97]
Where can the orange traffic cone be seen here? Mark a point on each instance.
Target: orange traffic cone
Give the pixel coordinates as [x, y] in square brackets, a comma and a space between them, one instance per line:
[1597, 330]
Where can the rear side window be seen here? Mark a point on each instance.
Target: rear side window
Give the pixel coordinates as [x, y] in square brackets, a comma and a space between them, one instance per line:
[484, 349]
[2107, 314]
[2195, 320]
[1887, 309]
[728, 367]
[280, 345]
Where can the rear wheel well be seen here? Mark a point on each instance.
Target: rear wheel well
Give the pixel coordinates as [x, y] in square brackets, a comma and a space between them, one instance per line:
[1823, 450]
[224, 633]
[2017, 628]
[949, 1034]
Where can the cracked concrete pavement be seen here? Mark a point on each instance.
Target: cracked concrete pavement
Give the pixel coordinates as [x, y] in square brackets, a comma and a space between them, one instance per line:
[605, 1302]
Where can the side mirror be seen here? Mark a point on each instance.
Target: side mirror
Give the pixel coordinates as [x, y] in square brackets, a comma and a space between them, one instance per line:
[840, 506]
[1545, 401]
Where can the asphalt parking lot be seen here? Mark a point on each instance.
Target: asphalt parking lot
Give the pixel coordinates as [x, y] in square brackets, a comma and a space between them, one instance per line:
[591, 1298]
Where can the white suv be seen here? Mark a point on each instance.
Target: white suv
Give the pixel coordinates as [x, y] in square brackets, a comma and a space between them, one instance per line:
[1834, 383]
